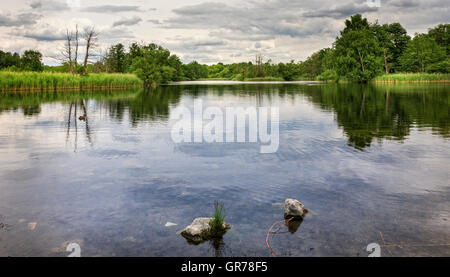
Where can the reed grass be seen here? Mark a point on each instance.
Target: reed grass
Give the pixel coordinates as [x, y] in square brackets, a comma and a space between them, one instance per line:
[218, 219]
[27, 81]
[412, 78]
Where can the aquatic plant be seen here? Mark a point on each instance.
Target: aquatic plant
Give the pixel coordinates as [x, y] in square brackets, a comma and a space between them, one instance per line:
[217, 222]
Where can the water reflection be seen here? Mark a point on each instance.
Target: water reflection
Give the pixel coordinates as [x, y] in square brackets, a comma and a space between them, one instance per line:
[83, 117]
[128, 179]
[365, 112]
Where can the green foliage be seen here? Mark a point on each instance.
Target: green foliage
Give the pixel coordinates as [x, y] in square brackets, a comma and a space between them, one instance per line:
[53, 81]
[31, 60]
[362, 52]
[218, 220]
[116, 59]
[422, 54]
[153, 66]
[358, 53]
[195, 71]
[441, 34]
[8, 60]
[393, 40]
[412, 77]
[328, 75]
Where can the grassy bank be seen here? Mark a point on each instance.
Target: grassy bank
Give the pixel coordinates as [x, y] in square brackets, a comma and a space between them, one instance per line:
[412, 78]
[28, 81]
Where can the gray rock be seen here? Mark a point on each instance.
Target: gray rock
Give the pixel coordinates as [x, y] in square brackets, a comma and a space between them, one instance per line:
[198, 230]
[293, 208]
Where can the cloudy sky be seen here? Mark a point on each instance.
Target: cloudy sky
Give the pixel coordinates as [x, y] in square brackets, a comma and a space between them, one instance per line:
[208, 31]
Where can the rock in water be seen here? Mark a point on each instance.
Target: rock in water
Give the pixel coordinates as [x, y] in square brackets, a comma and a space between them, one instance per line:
[293, 208]
[198, 231]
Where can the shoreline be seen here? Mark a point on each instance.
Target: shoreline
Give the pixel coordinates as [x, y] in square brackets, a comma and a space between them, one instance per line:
[78, 89]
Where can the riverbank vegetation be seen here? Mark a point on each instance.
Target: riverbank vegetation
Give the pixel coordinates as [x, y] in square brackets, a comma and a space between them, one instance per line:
[363, 52]
[26, 81]
[412, 78]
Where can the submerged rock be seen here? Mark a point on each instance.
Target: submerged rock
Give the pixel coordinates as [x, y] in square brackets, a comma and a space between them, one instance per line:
[294, 209]
[200, 230]
[293, 225]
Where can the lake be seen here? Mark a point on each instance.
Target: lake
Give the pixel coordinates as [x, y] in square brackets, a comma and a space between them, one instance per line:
[370, 162]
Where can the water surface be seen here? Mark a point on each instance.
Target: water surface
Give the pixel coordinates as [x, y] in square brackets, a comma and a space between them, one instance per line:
[370, 162]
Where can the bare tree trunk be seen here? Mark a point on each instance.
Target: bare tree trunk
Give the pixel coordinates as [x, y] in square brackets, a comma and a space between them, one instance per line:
[361, 59]
[76, 50]
[90, 36]
[258, 62]
[386, 66]
[69, 49]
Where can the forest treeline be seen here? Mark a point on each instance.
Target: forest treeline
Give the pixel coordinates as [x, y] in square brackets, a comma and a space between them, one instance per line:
[363, 51]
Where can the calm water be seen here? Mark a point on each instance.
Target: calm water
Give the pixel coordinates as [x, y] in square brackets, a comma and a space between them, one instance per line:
[366, 161]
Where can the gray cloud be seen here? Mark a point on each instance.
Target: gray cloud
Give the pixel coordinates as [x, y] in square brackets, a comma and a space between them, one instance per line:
[112, 9]
[258, 19]
[213, 30]
[127, 21]
[22, 19]
[49, 5]
[44, 36]
[342, 11]
[154, 21]
[404, 3]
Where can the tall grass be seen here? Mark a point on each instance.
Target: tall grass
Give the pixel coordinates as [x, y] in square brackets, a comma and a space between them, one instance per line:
[412, 78]
[23, 81]
[218, 220]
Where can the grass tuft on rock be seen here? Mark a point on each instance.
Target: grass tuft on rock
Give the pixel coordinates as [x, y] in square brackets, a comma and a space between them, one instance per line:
[217, 222]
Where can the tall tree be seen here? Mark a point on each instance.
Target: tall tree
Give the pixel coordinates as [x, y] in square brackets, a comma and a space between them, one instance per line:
[67, 50]
[90, 36]
[441, 34]
[392, 39]
[75, 59]
[358, 54]
[152, 67]
[421, 54]
[116, 58]
[32, 61]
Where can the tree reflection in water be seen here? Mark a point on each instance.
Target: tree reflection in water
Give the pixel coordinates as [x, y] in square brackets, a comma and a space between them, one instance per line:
[84, 118]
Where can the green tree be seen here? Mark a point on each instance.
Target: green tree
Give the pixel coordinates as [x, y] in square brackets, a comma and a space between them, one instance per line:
[422, 54]
[393, 40]
[441, 34]
[357, 52]
[116, 59]
[194, 71]
[288, 71]
[8, 59]
[175, 63]
[32, 61]
[153, 67]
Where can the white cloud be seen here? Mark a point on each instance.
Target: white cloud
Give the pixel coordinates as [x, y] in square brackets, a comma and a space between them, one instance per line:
[225, 31]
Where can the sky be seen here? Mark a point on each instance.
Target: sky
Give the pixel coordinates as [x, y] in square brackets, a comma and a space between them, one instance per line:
[208, 31]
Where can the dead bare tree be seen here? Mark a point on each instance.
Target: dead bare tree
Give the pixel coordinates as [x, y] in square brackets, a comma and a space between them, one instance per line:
[76, 49]
[69, 38]
[69, 53]
[67, 50]
[91, 37]
[259, 64]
